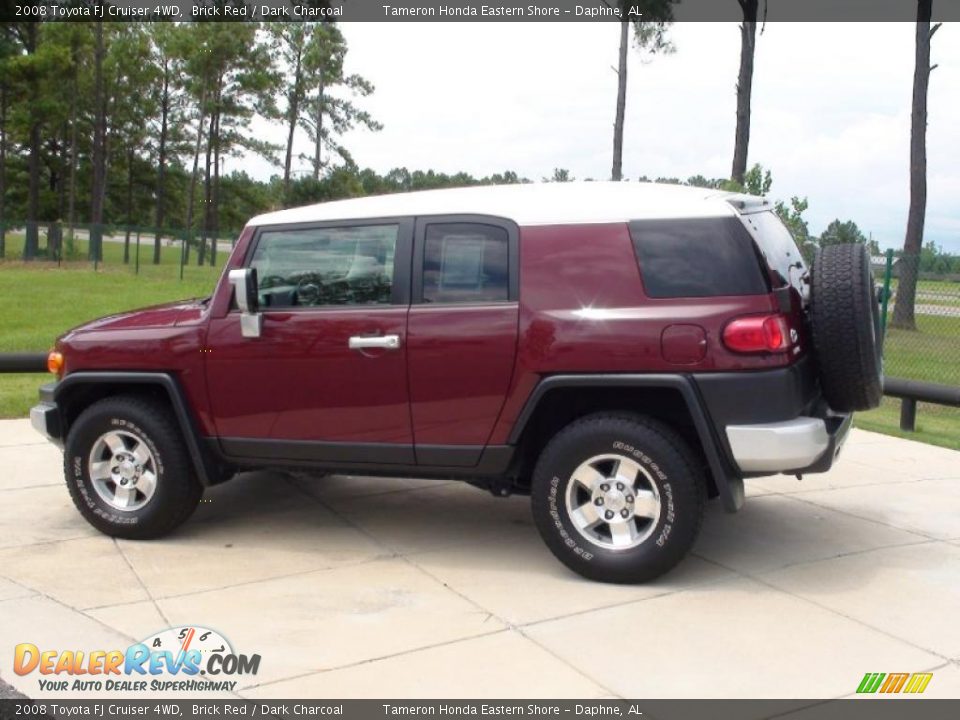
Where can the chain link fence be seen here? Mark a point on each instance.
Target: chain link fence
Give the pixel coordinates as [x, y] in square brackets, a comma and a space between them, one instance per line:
[923, 345]
[161, 253]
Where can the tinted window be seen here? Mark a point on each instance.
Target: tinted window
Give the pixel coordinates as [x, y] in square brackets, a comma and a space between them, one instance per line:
[778, 247]
[465, 263]
[326, 266]
[697, 258]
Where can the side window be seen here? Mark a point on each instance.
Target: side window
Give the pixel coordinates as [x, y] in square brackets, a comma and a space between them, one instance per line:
[700, 257]
[326, 266]
[466, 263]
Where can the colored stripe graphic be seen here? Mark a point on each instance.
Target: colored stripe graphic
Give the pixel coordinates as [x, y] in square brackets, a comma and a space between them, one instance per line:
[918, 682]
[894, 682]
[870, 682]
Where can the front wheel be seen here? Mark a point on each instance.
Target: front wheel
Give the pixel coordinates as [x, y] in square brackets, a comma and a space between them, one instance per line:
[127, 468]
[618, 498]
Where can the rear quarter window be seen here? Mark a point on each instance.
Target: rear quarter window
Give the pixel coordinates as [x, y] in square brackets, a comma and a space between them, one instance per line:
[778, 247]
[700, 257]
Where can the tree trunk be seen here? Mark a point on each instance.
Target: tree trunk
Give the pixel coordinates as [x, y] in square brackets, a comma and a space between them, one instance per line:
[293, 114]
[31, 241]
[3, 169]
[99, 146]
[193, 175]
[62, 171]
[207, 191]
[72, 194]
[215, 205]
[318, 123]
[903, 311]
[748, 44]
[33, 165]
[617, 172]
[162, 160]
[129, 208]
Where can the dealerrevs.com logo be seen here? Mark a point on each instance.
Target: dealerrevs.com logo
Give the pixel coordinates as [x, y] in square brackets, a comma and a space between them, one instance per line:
[179, 659]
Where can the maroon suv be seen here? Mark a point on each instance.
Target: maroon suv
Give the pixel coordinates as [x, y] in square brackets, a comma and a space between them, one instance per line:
[618, 351]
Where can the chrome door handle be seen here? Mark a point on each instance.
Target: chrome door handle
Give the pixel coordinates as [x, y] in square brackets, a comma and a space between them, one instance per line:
[384, 342]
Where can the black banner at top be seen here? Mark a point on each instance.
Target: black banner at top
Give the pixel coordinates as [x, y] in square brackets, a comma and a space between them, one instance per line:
[459, 11]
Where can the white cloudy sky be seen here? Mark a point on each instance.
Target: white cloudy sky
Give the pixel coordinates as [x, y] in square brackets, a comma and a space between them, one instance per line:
[831, 109]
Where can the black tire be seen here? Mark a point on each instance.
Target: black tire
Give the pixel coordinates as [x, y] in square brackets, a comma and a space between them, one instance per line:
[668, 466]
[845, 320]
[176, 490]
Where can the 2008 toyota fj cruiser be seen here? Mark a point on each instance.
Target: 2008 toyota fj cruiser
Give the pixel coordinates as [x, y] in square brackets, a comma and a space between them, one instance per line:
[618, 351]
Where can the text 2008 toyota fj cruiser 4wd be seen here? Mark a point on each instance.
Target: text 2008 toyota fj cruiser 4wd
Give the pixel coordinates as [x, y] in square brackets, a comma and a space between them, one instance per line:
[618, 351]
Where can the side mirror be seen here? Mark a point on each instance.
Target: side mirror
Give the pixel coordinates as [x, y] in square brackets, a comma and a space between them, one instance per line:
[244, 281]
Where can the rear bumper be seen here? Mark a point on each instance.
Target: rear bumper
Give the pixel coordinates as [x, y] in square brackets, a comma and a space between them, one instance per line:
[773, 421]
[803, 444]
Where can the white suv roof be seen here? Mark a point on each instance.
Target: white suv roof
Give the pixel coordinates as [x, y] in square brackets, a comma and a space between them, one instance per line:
[528, 204]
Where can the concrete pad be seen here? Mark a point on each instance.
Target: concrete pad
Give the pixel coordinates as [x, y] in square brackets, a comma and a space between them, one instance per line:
[332, 618]
[136, 620]
[909, 592]
[79, 573]
[904, 458]
[248, 497]
[39, 515]
[435, 517]
[20, 432]
[736, 639]
[246, 548]
[519, 580]
[858, 436]
[472, 668]
[30, 466]
[929, 507]
[846, 473]
[776, 531]
[307, 572]
[10, 590]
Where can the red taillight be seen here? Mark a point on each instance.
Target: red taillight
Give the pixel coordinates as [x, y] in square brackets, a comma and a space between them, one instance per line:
[757, 333]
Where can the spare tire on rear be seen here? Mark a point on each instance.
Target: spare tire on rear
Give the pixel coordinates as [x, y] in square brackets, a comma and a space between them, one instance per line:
[845, 319]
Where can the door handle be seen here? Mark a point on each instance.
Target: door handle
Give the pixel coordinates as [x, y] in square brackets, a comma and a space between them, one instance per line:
[384, 342]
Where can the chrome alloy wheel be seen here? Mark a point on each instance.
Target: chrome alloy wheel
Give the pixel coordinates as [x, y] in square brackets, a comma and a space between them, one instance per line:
[122, 470]
[613, 502]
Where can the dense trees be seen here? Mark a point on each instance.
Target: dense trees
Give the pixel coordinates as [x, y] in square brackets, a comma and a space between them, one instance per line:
[128, 124]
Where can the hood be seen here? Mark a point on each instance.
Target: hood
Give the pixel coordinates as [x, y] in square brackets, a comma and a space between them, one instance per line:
[181, 312]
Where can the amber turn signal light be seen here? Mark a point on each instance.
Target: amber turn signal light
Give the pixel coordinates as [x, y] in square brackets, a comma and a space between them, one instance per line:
[55, 362]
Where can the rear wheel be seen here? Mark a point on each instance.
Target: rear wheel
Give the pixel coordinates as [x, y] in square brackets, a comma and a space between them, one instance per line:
[617, 498]
[127, 469]
[845, 319]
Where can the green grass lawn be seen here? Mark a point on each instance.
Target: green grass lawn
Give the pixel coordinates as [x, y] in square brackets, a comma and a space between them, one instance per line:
[48, 300]
[936, 424]
[931, 353]
[944, 293]
[112, 252]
